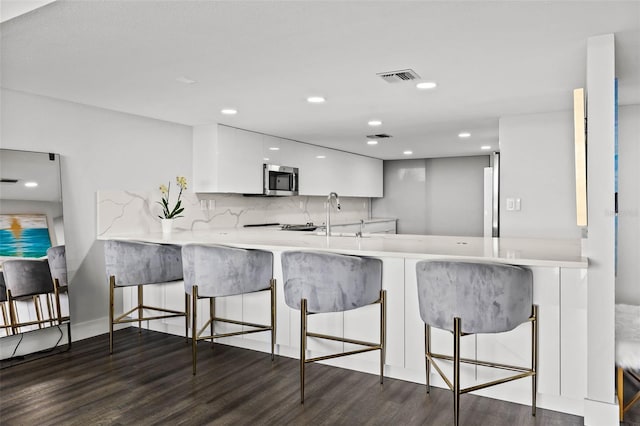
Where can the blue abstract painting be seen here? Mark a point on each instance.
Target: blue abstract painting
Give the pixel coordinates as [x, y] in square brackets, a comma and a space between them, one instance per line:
[24, 235]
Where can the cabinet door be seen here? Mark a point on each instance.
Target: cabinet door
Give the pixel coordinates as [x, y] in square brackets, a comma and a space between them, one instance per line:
[239, 161]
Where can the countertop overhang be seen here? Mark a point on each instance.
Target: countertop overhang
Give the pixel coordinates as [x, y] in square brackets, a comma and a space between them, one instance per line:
[566, 253]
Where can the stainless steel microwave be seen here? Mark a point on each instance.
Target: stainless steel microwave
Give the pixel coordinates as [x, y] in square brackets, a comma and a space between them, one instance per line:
[280, 180]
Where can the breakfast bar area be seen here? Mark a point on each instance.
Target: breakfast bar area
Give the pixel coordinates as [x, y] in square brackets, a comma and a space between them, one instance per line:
[559, 290]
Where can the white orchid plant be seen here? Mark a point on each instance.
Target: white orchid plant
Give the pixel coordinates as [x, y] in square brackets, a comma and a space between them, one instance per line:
[167, 212]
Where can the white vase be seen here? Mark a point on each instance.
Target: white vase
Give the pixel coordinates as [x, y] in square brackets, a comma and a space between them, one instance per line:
[167, 226]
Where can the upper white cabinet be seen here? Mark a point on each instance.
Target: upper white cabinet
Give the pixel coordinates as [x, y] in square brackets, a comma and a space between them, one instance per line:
[226, 159]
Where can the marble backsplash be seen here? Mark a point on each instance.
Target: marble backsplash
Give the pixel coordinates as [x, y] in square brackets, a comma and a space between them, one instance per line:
[127, 212]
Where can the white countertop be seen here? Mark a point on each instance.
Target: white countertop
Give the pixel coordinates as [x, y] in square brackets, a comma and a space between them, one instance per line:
[517, 251]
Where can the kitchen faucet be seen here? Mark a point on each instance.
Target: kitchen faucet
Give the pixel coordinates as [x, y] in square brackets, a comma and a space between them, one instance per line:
[330, 198]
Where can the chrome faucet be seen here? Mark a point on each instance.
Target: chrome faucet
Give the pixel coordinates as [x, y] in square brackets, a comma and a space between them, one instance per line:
[330, 198]
[359, 234]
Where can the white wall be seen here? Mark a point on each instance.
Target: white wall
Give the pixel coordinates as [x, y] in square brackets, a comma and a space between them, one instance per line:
[628, 278]
[405, 197]
[434, 196]
[455, 194]
[99, 149]
[537, 166]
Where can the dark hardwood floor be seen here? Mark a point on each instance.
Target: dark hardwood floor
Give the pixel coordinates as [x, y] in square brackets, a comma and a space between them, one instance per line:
[148, 380]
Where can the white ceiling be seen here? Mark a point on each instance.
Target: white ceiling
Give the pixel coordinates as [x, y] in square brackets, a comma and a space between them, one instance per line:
[27, 166]
[265, 57]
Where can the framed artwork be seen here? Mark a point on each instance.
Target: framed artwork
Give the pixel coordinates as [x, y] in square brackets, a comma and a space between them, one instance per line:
[24, 235]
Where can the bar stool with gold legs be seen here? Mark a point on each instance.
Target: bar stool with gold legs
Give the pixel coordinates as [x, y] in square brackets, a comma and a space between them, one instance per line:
[136, 264]
[58, 264]
[473, 298]
[29, 281]
[213, 271]
[319, 282]
[6, 324]
[627, 353]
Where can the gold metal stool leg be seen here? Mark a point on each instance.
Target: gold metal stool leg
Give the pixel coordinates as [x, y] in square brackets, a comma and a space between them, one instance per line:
[194, 326]
[112, 284]
[303, 344]
[427, 350]
[273, 317]
[383, 331]
[456, 370]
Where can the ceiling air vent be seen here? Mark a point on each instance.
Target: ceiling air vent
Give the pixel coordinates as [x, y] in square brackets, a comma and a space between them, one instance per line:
[378, 136]
[399, 76]
[5, 180]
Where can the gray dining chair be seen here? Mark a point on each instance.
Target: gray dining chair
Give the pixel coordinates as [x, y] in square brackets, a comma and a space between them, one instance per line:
[138, 264]
[322, 282]
[57, 258]
[28, 280]
[471, 298]
[214, 271]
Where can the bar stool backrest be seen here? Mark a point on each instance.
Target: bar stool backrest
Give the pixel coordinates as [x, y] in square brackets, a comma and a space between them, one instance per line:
[58, 264]
[225, 271]
[330, 282]
[488, 297]
[27, 277]
[135, 263]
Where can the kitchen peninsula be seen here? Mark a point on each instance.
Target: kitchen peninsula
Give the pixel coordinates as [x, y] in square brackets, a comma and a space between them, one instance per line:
[559, 271]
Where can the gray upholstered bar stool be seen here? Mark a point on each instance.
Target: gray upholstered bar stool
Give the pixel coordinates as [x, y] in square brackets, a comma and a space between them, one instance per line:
[474, 298]
[212, 271]
[134, 263]
[319, 282]
[27, 280]
[57, 258]
[58, 264]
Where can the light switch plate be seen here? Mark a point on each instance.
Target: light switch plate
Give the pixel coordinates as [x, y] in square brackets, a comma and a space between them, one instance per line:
[510, 204]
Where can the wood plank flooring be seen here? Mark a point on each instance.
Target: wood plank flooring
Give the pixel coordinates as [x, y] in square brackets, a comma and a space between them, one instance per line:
[148, 381]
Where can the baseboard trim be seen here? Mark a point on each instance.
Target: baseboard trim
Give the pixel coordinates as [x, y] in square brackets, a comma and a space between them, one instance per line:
[598, 413]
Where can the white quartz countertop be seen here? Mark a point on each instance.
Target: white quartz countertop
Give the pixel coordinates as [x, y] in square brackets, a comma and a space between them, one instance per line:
[516, 251]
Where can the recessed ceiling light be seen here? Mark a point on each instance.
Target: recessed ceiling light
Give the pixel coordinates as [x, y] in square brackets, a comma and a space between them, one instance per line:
[426, 85]
[315, 99]
[31, 184]
[274, 148]
[372, 142]
[321, 156]
[229, 111]
[464, 135]
[265, 159]
[485, 147]
[374, 123]
[185, 80]
[408, 152]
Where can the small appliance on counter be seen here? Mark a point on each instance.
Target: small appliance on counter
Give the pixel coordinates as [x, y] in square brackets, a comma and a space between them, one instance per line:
[309, 226]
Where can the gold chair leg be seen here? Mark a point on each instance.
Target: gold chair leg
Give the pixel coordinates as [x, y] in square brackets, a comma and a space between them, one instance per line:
[273, 317]
[194, 328]
[427, 351]
[5, 319]
[534, 359]
[212, 315]
[112, 284]
[56, 292]
[186, 317]
[50, 309]
[456, 370]
[620, 385]
[140, 310]
[13, 317]
[383, 331]
[303, 344]
[38, 306]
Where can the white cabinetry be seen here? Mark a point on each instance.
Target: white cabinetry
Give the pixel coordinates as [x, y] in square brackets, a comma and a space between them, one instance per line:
[226, 159]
